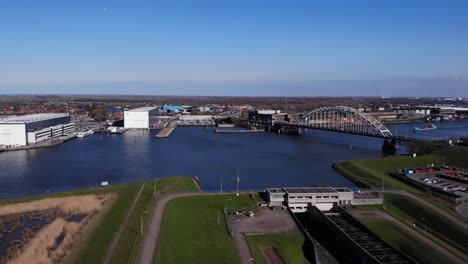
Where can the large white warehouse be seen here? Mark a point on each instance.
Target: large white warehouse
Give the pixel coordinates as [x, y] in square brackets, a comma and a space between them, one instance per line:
[139, 117]
[30, 129]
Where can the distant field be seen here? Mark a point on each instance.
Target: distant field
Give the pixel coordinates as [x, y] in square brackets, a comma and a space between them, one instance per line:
[404, 242]
[96, 239]
[191, 232]
[289, 246]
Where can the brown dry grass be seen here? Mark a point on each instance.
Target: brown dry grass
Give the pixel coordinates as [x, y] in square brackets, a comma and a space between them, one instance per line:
[43, 247]
[83, 204]
[36, 251]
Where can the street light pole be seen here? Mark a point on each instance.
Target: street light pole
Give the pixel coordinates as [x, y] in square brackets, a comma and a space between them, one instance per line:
[141, 222]
[154, 191]
[425, 227]
[238, 180]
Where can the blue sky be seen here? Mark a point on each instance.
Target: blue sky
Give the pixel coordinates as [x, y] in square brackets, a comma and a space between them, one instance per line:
[235, 47]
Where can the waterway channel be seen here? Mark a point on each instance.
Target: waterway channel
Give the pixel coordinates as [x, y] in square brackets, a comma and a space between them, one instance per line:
[263, 159]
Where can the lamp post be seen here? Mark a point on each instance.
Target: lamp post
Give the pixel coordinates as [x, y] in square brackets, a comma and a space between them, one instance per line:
[425, 227]
[238, 180]
[154, 191]
[141, 222]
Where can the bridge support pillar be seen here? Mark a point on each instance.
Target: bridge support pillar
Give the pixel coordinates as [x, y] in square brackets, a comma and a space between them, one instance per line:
[389, 147]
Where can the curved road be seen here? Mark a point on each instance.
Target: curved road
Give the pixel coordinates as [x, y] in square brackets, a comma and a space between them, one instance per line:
[150, 243]
[436, 208]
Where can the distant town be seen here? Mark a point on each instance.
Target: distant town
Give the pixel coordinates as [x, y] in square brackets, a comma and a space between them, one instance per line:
[58, 118]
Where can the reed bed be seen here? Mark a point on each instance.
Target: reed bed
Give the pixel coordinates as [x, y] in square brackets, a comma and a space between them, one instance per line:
[55, 240]
[83, 204]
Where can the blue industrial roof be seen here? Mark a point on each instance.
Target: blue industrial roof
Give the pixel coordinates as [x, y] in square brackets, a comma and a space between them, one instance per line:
[172, 107]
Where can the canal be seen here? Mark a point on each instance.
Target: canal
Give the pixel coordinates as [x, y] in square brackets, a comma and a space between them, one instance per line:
[263, 159]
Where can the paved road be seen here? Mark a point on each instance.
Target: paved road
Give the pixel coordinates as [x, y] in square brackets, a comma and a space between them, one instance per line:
[150, 242]
[110, 251]
[362, 215]
[454, 219]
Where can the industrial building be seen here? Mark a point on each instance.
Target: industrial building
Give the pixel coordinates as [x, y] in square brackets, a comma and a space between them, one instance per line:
[139, 118]
[29, 129]
[299, 199]
[268, 116]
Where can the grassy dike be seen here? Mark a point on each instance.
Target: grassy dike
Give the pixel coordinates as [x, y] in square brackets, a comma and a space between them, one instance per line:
[373, 173]
[94, 242]
[191, 232]
[399, 239]
[289, 246]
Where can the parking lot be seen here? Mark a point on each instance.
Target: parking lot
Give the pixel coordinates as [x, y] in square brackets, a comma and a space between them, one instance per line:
[451, 186]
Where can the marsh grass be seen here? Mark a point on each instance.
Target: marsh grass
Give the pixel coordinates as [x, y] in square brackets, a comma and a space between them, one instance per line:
[55, 240]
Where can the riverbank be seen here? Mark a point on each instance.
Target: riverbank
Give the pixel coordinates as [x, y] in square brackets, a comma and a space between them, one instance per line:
[43, 144]
[96, 239]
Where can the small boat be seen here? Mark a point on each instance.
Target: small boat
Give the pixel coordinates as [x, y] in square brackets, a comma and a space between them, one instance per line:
[85, 133]
[425, 128]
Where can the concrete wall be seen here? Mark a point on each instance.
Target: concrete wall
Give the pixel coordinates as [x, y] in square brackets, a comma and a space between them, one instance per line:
[13, 134]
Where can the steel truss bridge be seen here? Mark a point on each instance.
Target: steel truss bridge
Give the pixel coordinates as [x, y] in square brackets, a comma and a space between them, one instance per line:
[343, 119]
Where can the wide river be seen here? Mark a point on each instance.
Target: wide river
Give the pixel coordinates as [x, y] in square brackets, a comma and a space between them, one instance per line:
[263, 159]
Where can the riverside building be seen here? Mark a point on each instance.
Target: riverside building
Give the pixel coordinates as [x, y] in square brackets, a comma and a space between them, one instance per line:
[30, 129]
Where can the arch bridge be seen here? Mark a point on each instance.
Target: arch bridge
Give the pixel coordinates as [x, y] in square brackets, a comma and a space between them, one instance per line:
[343, 119]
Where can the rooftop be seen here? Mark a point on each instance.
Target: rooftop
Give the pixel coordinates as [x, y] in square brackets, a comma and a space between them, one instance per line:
[310, 190]
[30, 118]
[275, 190]
[142, 109]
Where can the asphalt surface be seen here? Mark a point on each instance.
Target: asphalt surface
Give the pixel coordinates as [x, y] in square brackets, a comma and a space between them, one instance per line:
[150, 242]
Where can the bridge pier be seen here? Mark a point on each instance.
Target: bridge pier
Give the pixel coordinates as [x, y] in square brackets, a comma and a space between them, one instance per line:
[389, 146]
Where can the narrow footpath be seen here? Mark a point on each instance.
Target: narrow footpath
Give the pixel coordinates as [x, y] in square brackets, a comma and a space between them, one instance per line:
[151, 238]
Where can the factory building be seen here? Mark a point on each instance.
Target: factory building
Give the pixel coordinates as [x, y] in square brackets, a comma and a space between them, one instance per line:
[268, 116]
[30, 129]
[139, 118]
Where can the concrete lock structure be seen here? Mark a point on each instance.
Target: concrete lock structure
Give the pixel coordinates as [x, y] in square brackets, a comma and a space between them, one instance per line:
[29, 129]
[139, 118]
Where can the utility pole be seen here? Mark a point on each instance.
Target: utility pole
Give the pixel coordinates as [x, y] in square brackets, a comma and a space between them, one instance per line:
[221, 185]
[238, 180]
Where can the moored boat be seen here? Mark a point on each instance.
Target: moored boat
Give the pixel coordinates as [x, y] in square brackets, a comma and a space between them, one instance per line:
[425, 128]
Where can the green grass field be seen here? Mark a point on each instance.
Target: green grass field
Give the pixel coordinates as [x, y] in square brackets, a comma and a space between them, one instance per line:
[409, 211]
[404, 242]
[191, 232]
[93, 244]
[372, 172]
[289, 245]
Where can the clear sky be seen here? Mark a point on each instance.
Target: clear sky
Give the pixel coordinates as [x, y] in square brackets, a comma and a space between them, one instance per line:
[235, 47]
